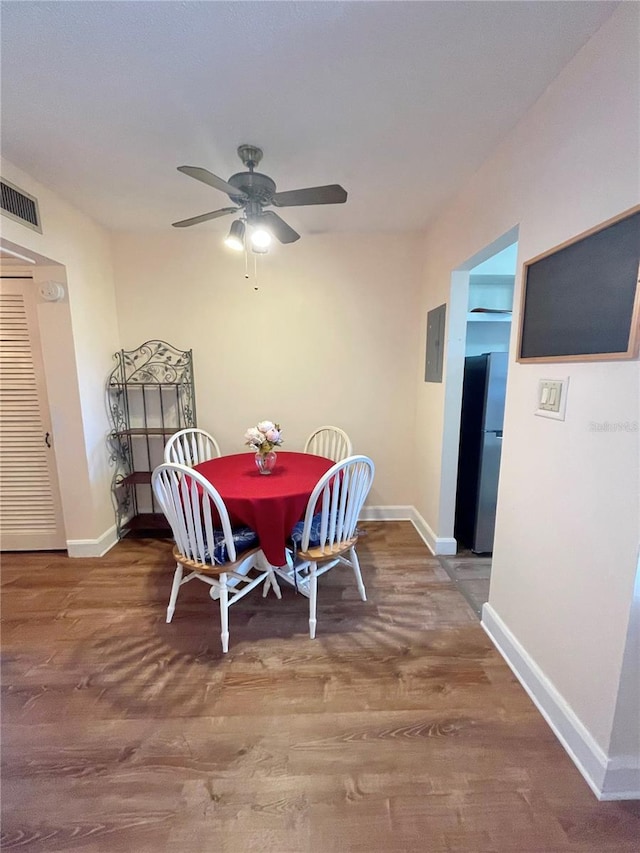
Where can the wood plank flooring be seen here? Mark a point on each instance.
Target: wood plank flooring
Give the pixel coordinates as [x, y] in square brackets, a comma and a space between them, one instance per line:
[399, 728]
[471, 576]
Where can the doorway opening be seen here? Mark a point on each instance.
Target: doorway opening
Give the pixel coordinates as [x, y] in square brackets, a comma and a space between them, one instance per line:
[53, 423]
[478, 359]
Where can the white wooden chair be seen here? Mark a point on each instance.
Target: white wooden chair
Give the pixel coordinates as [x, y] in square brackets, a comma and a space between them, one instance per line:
[191, 446]
[229, 560]
[329, 441]
[329, 537]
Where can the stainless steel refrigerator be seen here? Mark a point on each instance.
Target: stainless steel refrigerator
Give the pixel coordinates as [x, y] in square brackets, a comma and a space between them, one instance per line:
[483, 395]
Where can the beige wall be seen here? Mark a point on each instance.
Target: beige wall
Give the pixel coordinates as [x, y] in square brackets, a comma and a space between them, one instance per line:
[79, 337]
[330, 336]
[568, 514]
[335, 333]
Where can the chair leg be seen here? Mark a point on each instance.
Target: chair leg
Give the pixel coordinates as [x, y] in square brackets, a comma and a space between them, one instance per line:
[313, 594]
[275, 585]
[262, 564]
[356, 570]
[224, 612]
[271, 583]
[177, 577]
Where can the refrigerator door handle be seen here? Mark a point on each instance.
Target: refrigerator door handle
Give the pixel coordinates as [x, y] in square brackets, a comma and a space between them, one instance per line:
[496, 432]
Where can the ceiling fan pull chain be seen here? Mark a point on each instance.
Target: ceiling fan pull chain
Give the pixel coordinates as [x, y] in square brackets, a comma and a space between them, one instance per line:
[255, 272]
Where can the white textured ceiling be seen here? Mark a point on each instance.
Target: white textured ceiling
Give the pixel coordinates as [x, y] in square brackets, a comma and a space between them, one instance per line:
[400, 102]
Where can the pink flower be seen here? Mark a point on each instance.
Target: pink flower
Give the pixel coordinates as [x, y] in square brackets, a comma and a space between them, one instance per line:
[263, 437]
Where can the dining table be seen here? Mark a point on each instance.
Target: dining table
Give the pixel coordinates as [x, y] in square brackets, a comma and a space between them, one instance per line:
[271, 504]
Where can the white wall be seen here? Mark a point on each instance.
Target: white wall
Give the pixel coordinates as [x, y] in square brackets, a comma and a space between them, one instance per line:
[568, 530]
[487, 337]
[329, 337]
[502, 263]
[625, 739]
[79, 339]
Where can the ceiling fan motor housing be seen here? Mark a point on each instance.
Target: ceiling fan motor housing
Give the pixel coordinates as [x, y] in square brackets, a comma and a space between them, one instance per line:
[257, 187]
[250, 155]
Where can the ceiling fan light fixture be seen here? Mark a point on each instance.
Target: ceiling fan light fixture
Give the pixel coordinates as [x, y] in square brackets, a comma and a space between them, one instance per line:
[260, 238]
[235, 237]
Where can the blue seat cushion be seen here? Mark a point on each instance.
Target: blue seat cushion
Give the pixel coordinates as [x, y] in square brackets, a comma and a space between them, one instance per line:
[244, 538]
[314, 533]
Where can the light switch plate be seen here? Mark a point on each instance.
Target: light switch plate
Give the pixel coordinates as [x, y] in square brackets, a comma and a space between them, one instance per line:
[552, 398]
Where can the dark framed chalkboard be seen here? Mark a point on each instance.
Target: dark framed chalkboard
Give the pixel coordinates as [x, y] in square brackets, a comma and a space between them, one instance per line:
[581, 300]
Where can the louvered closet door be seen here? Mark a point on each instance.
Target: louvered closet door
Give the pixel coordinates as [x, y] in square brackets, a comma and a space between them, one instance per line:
[30, 510]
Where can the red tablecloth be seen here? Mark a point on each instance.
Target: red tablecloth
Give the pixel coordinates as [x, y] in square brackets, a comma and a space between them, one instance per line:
[269, 504]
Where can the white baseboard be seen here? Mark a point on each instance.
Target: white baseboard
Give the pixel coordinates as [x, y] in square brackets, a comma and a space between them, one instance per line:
[93, 547]
[437, 545]
[621, 779]
[609, 779]
[386, 513]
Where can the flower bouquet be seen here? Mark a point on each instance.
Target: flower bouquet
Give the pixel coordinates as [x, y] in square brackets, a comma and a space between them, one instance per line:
[262, 439]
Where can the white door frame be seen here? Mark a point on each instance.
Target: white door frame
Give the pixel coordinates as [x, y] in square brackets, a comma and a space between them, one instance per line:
[454, 371]
[58, 351]
[33, 518]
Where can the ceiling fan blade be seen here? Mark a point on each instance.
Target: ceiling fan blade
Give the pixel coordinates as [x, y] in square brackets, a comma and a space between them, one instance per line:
[331, 194]
[204, 217]
[213, 180]
[279, 227]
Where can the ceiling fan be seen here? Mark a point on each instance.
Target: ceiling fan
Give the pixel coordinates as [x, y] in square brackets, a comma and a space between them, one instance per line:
[251, 192]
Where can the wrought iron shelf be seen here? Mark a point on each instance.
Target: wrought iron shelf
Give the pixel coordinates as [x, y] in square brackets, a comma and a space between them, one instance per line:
[138, 478]
[168, 430]
[152, 387]
[152, 522]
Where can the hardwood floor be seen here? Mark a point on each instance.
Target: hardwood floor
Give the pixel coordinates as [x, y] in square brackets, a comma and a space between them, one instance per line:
[399, 728]
[471, 576]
